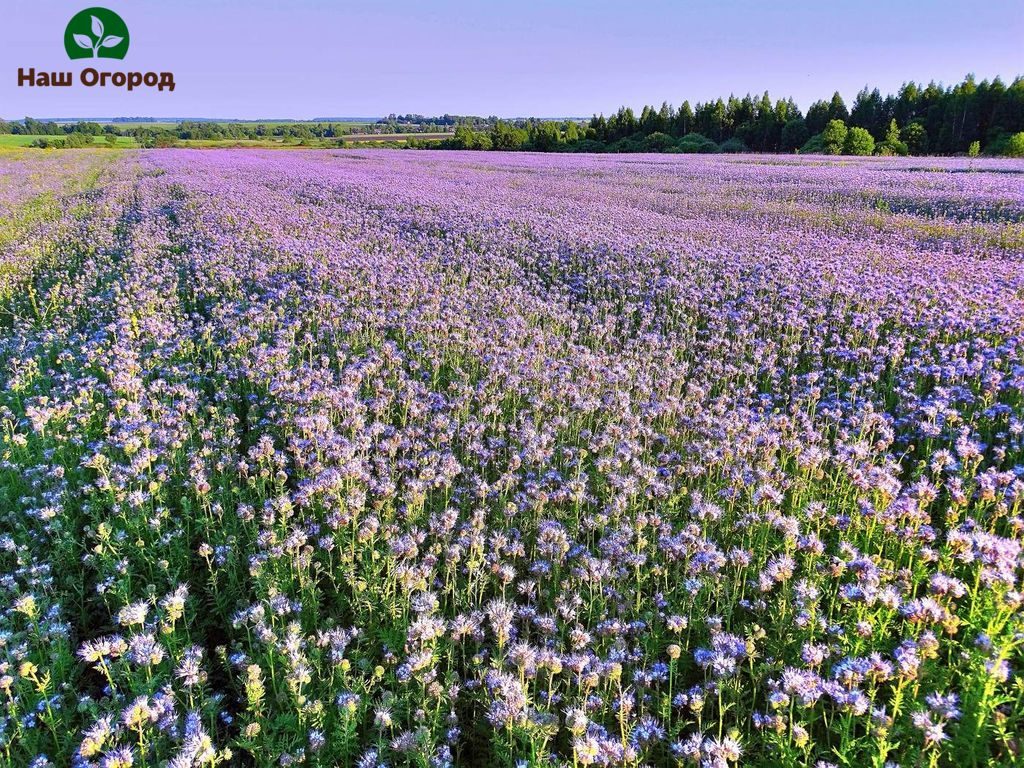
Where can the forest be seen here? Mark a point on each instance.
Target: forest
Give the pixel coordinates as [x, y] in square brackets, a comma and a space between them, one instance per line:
[968, 118]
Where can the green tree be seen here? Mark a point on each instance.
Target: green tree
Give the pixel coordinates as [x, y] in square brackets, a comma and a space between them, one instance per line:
[684, 120]
[1015, 145]
[974, 149]
[916, 139]
[859, 141]
[658, 142]
[834, 137]
[506, 136]
[794, 134]
[892, 144]
[817, 117]
[696, 142]
[837, 108]
[545, 135]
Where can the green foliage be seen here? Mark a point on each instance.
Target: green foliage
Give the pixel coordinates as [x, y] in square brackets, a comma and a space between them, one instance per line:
[794, 134]
[545, 135]
[815, 145]
[833, 138]
[892, 144]
[974, 149]
[858, 142]
[505, 136]
[733, 146]
[696, 143]
[589, 145]
[928, 119]
[466, 138]
[916, 138]
[1015, 145]
[658, 142]
[626, 145]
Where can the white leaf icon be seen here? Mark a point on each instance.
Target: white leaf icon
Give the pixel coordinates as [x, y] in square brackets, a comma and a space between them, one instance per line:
[97, 26]
[83, 41]
[110, 41]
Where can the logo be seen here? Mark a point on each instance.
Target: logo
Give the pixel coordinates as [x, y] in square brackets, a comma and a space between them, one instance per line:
[96, 33]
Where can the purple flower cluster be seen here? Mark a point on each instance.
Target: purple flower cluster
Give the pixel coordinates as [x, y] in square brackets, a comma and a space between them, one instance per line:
[387, 459]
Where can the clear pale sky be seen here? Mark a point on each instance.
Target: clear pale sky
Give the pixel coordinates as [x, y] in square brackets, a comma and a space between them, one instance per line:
[312, 58]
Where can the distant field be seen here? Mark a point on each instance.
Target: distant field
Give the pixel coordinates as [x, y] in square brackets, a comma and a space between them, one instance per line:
[24, 140]
[246, 123]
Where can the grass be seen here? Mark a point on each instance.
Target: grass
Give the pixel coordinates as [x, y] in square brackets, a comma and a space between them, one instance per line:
[25, 140]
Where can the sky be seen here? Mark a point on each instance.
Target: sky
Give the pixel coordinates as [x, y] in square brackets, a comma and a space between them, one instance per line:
[548, 58]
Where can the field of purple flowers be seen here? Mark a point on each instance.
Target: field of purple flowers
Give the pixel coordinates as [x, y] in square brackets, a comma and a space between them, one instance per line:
[427, 459]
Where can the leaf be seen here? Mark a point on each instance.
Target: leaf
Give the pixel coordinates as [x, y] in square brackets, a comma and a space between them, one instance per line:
[97, 26]
[84, 41]
[111, 41]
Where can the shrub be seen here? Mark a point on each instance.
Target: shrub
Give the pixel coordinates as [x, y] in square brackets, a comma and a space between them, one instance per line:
[658, 142]
[733, 146]
[892, 144]
[858, 142]
[1014, 146]
[626, 145]
[814, 145]
[696, 143]
[834, 137]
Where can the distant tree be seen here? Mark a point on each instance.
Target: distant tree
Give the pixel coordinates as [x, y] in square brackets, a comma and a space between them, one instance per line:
[817, 117]
[506, 136]
[1015, 145]
[794, 134]
[466, 138]
[858, 142]
[545, 135]
[733, 146]
[892, 145]
[916, 139]
[111, 139]
[696, 143]
[837, 108]
[684, 120]
[974, 149]
[75, 140]
[93, 129]
[658, 142]
[598, 128]
[868, 112]
[834, 137]
[814, 145]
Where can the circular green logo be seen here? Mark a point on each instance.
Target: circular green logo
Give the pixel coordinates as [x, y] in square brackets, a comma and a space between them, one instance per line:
[96, 33]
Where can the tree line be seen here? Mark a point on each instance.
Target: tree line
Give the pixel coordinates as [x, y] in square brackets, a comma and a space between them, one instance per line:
[149, 135]
[966, 118]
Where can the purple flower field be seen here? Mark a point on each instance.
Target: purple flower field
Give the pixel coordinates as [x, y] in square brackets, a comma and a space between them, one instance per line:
[383, 458]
